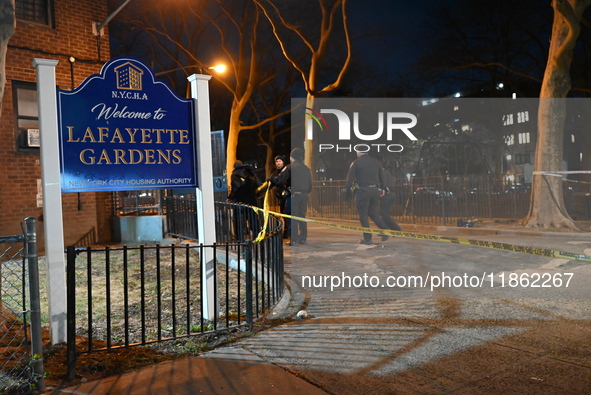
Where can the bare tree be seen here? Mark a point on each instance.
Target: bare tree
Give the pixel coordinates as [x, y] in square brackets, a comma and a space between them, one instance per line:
[7, 28]
[193, 33]
[547, 207]
[317, 46]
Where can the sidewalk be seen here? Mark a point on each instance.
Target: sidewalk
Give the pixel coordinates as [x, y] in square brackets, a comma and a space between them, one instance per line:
[373, 340]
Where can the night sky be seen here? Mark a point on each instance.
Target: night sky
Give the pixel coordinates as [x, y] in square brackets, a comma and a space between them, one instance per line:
[392, 32]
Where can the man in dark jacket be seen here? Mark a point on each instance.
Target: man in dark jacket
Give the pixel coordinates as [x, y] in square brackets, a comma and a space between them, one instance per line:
[367, 173]
[298, 179]
[281, 194]
[243, 184]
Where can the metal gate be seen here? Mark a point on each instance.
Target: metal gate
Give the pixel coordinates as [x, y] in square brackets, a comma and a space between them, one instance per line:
[21, 356]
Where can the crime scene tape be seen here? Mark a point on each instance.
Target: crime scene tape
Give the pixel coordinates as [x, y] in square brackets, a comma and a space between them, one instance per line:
[545, 252]
[563, 173]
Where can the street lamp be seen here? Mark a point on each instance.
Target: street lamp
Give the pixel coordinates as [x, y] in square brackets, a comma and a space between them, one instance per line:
[219, 68]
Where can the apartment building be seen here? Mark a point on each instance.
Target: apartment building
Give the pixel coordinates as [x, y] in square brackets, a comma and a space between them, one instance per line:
[61, 30]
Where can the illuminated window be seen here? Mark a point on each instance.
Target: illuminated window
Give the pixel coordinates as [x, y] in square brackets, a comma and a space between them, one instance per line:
[507, 119]
[572, 138]
[510, 140]
[522, 116]
[523, 138]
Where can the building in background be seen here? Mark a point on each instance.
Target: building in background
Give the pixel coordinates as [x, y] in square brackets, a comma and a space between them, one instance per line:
[61, 30]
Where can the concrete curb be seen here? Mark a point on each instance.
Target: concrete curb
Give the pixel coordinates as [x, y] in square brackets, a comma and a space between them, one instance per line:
[292, 301]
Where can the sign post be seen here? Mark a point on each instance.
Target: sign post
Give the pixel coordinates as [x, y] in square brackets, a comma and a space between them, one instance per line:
[52, 198]
[204, 194]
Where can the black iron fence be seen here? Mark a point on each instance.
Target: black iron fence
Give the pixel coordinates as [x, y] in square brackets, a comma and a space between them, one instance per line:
[440, 201]
[128, 296]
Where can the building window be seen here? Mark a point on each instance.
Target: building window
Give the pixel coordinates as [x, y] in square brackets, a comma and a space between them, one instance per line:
[26, 112]
[521, 159]
[572, 138]
[507, 119]
[522, 116]
[523, 138]
[37, 11]
[510, 140]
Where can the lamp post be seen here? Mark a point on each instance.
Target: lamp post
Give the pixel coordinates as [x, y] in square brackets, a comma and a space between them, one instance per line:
[219, 68]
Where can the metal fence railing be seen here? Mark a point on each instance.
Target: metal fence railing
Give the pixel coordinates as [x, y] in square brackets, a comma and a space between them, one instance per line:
[128, 296]
[440, 201]
[21, 355]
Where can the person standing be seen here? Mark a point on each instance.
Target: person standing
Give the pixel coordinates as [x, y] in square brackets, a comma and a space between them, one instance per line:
[367, 173]
[388, 199]
[243, 187]
[243, 184]
[296, 177]
[281, 194]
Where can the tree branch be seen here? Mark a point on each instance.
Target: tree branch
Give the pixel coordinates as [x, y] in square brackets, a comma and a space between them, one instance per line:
[339, 78]
[282, 45]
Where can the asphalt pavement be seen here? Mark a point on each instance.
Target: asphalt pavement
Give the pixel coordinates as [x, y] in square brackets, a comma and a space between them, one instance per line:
[405, 316]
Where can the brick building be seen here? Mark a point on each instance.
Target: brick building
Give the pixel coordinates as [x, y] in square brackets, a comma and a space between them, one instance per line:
[49, 29]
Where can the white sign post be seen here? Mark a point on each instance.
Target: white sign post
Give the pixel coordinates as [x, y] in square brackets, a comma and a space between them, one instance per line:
[52, 198]
[204, 194]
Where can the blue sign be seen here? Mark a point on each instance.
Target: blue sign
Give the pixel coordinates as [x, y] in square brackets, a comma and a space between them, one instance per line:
[124, 130]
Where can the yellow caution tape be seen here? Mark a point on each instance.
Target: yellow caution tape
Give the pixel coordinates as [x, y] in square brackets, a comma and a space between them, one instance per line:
[563, 173]
[261, 236]
[446, 239]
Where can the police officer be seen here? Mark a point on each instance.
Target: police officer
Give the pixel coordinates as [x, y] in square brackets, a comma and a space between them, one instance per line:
[297, 176]
[282, 193]
[366, 172]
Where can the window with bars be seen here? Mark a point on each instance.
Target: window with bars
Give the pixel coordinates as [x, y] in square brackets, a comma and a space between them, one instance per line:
[37, 11]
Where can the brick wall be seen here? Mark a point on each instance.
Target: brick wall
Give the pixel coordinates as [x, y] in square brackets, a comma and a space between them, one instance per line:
[71, 36]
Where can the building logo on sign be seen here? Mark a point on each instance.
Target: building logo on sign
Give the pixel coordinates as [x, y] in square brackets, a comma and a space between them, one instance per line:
[129, 76]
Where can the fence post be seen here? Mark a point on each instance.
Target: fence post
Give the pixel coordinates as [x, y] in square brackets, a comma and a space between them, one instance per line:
[443, 199]
[248, 284]
[36, 337]
[71, 311]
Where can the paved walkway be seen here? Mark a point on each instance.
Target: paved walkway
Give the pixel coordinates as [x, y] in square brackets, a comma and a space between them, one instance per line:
[371, 338]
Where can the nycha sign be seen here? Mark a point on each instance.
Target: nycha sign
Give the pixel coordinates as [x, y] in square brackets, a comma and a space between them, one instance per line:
[124, 130]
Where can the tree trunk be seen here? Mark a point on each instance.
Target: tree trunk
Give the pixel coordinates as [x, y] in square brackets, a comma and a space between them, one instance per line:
[309, 144]
[7, 27]
[547, 207]
[232, 143]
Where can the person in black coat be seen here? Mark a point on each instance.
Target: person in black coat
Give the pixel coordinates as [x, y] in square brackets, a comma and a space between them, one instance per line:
[281, 194]
[296, 177]
[366, 172]
[243, 187]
